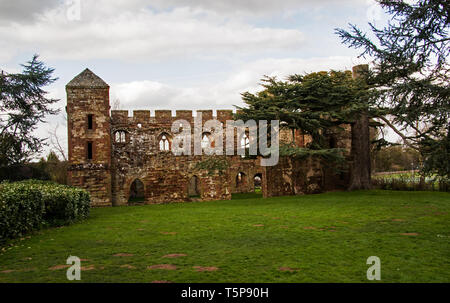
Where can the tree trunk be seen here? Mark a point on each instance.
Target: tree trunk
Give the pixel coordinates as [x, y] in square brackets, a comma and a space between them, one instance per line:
[360, 169]
[360, 152]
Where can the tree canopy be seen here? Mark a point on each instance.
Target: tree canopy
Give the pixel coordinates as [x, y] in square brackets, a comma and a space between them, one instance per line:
[410, 75]
[23, 104]
[317, 103]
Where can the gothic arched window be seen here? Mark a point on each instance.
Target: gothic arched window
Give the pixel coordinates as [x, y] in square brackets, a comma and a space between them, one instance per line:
[245, 142]
[120, 136]
[205, 140]
[164, 143]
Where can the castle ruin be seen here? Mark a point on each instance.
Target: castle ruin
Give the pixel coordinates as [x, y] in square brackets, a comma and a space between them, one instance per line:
[121, 159]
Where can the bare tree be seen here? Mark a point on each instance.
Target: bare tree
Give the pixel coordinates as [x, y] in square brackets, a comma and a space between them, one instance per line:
[56, 142]
[116, 104]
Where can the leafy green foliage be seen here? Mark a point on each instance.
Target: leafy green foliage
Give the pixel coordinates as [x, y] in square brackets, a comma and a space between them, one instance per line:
[28, 205]
[55, 168]
[410, 75]
[437, 152]
[64, 204]
[396, 158]
[316, 103]
[409, 181]
[24, 104]
[213, 165]
[21, 209]
[332, 154]
[46, 169]
[23, 171]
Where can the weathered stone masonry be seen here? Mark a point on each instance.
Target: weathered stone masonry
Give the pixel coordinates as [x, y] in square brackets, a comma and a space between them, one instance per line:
[113, 155]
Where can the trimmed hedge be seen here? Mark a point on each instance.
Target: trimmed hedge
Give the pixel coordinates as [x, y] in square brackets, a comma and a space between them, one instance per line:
[21, 209]
[410, 183]
[29, 205]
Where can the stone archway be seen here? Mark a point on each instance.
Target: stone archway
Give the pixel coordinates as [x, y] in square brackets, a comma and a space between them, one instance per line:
[257, 183]
[137, 192]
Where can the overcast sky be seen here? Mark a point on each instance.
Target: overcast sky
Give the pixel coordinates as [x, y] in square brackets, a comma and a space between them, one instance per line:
[178, 54]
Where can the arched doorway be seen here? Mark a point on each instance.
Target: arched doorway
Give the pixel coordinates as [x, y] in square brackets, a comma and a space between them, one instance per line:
[137, 192]
[193, 191]
[257, 183]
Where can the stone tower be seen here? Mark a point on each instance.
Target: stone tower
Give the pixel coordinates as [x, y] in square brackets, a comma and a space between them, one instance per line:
[89, 137]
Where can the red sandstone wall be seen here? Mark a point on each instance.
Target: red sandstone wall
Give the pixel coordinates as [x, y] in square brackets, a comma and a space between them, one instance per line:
[93, 174]
[166, 178]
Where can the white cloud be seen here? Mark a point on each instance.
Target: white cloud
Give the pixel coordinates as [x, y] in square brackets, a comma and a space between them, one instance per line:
[141, 35]
[150, 30]
[27, 10]
[228, 7]
[23, 10]
[225, 94]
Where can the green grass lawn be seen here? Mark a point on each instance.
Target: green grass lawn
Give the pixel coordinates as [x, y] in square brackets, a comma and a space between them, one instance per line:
[312, 238]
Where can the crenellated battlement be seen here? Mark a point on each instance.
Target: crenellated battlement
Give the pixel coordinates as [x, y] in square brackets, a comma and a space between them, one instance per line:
[166, 116]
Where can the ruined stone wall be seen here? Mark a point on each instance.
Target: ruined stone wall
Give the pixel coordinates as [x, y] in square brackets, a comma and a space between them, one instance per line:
[127, 148]
[248, 168]
[94, 178]
[287, 136]
[166, 177]
[298, 177]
